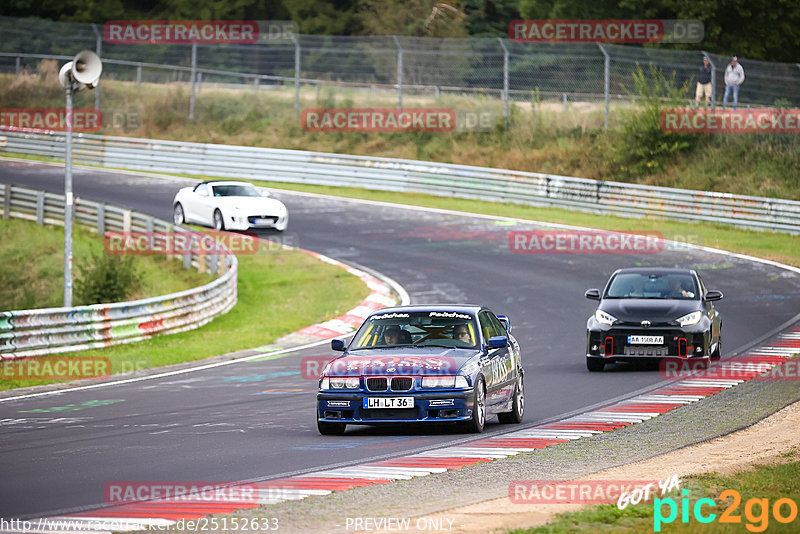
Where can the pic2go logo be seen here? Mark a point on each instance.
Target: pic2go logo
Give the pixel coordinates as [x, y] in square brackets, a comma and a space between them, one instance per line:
[756, 511]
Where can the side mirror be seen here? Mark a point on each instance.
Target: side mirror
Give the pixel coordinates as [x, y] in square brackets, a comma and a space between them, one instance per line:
[498, 342]
[264, 193]
[338, 345]
[592, 294]
[506, 322]
[713, 295]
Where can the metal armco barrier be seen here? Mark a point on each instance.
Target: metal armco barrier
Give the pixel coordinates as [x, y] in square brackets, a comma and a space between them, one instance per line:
[442, 179]
[55, 330]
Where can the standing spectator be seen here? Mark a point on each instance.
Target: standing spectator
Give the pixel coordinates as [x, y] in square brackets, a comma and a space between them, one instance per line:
[734, 77]
[703, 83]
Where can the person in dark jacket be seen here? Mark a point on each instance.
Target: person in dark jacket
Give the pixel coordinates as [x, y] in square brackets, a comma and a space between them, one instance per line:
[703, 83]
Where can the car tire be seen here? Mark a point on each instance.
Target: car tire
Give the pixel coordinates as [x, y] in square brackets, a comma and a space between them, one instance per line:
[717, 354]
[219, 221]
[178, 217]
[327, 428]
[594, 365]
[478, 421]
[518, 405]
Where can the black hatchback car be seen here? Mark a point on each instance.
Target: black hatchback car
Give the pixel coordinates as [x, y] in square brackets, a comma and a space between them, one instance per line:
[650, 313]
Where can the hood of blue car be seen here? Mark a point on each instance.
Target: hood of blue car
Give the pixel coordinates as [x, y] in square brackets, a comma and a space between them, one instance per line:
[406, 361]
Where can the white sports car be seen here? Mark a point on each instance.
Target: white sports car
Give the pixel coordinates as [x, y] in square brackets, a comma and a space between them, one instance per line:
[229, 206]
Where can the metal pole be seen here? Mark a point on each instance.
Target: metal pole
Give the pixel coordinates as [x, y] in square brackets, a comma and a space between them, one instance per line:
[139, 75]
[194, 80]
[19, 66]
[296, 73]
[399, 72]
[713, 80]
[505, 81]
[98, 51]
[607, 84]
[68, 205]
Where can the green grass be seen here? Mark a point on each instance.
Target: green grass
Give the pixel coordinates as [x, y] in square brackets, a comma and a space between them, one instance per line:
[771, 482]
[279, 292]
[32, 267]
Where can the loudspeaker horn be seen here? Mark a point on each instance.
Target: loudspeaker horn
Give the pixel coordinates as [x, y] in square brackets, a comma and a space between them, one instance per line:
[87, 68]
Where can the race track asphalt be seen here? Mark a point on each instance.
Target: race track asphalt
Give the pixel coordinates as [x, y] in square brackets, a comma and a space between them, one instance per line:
[238, 422]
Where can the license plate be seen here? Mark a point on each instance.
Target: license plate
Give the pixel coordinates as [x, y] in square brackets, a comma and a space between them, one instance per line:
[645, 340]
[263, 221]
[388, 402]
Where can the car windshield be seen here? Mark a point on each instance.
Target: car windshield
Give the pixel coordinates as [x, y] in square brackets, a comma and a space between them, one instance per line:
[417, 329]
[652, 286]
[235, 191]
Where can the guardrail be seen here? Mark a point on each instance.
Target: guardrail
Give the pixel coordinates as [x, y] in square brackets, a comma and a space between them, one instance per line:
[55, 330]
[442, 179]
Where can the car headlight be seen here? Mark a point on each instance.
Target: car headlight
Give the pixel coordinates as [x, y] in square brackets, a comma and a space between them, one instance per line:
[690, 318]
[339, 382]
[604, 318]
[444, 382]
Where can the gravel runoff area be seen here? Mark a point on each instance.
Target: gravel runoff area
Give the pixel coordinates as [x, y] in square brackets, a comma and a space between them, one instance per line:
[443, 496]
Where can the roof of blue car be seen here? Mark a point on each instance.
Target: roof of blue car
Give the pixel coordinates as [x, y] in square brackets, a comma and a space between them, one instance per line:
[461, 308]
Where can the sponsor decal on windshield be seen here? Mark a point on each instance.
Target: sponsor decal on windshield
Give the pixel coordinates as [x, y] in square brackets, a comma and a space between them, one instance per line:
[450, 315]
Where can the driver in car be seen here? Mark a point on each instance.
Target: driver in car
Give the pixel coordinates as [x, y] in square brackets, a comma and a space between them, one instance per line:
[461, 333]
[392, 335]
[677, 290]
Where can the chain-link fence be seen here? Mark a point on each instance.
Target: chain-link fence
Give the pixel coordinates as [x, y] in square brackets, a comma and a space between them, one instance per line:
[495, 67]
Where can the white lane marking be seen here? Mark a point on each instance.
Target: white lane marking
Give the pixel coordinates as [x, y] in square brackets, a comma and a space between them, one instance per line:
[700, 383]
[615, 418]
[490, 451]
[556, 434]
[169, 373]
[390, 470]
[444, 453]
[674, 398]
[364, 474]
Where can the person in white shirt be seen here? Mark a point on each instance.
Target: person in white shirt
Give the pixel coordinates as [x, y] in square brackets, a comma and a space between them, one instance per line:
[734, 77]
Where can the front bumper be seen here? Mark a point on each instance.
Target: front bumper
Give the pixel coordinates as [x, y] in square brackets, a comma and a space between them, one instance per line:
[240, 221]
[611, 343]
[440, 406]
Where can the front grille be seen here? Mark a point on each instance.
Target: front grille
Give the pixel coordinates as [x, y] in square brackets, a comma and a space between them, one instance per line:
[270, 218]
[402, 383]
[398, 413]
[377, 384]
[645, 350]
